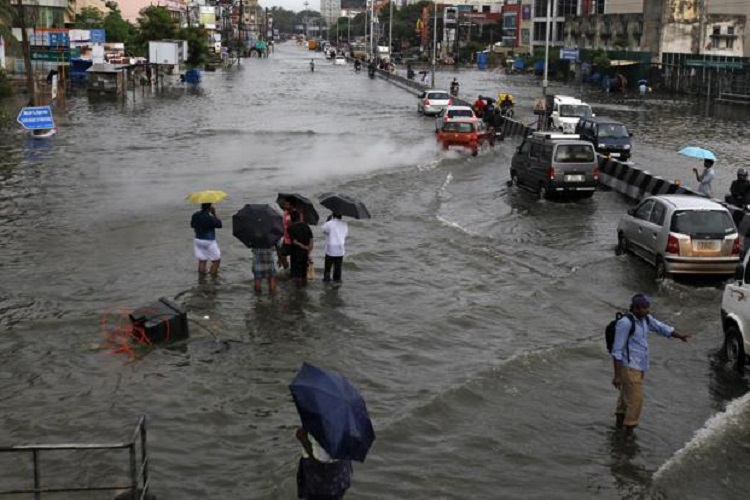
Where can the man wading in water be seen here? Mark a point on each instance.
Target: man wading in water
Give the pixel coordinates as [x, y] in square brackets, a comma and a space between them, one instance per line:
[630, 356]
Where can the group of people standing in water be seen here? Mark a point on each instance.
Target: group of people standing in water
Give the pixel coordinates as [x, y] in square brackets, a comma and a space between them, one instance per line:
[293, 251]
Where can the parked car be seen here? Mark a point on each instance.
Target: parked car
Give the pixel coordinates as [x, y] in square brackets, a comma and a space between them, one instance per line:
[735, 317]
[452, 112]
[340, 61]
[468, 133]
[609, 137]
[681, 234]
[551, 164]
[431, 102]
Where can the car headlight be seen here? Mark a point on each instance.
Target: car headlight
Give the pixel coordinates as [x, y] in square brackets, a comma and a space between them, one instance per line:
[602, 146]
[626, 146]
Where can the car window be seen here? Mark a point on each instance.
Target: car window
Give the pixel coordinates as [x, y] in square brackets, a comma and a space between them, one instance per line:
[525, 148]
[612, 130]
[643, 212]
[536, 150]
[574, 153]
[703, 223]
[460, 112]
[439, 96]
[657, 214]
[460, 127]
[547, 151]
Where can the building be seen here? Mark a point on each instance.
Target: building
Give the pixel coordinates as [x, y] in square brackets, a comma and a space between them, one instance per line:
[131, 8]
[330, 10]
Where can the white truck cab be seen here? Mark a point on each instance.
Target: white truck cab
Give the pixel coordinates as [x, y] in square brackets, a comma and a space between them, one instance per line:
[565, 113]
[735, 316]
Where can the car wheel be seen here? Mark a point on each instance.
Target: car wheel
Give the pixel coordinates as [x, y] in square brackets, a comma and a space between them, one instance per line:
[733, 350]
[474, 151]
[542, 194]
[622, 245]
[513, 181]
[661, 270]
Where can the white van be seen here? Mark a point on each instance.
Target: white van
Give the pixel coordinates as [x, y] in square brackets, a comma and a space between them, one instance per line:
[566, 112]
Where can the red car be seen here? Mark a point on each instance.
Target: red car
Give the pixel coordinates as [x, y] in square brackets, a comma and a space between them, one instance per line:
[470, 133]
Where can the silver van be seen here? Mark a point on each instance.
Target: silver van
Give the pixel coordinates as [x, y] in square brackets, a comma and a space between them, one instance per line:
[551, 164]
[681, 234]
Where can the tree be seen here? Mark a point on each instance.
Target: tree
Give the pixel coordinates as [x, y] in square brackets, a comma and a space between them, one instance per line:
[118, 29]
[89, 18]
[197, 48]
[154, 23]
[7, 14]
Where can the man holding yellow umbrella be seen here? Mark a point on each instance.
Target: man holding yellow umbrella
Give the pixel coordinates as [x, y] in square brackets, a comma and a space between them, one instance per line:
[205, 222]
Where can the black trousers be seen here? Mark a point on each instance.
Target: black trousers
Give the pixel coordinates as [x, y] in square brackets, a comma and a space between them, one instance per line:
[334, 262]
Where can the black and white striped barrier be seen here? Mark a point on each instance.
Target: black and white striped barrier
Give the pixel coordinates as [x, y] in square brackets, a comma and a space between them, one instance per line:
[634, 182]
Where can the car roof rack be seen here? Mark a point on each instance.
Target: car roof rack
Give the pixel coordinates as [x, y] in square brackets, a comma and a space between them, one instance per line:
[555, 136]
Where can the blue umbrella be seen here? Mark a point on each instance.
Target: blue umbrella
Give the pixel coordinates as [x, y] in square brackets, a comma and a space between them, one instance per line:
[696, 152]
[334, 412]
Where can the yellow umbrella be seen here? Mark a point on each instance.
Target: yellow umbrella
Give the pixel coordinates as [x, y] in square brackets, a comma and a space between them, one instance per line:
[209, 196]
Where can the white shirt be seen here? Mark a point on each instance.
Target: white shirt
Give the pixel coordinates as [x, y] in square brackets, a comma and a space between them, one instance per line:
[336, 232]
[706, 179]
[319, 453]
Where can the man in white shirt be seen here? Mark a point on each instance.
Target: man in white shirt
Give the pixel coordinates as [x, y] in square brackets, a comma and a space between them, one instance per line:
[336, 231]
[706, 178]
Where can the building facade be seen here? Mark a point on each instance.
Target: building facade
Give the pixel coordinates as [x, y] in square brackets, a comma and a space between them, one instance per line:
[131, 8]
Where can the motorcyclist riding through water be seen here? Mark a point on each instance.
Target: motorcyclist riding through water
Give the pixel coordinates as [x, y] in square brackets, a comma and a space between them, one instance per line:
[739, 191]
[371, 69]
[312, 65]
[357, 65]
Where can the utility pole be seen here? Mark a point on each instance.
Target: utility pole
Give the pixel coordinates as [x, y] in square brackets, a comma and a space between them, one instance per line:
[26, 49]
[240, 26]
[545, 82]
[434, 43]
[390, 33]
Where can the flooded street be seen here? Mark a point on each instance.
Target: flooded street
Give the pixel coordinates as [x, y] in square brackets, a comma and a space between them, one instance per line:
[471, 315]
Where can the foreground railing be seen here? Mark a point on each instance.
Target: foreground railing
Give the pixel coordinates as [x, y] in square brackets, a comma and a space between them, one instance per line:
[138, 470]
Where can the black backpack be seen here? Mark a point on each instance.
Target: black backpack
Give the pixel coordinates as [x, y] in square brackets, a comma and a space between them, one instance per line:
[609, 332]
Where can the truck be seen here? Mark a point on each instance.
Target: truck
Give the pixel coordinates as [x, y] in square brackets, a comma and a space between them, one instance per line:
[564, 112]
[312, 44]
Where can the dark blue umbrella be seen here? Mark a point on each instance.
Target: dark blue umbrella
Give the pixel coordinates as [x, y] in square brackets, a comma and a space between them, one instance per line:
[258, 226]
[334, 412]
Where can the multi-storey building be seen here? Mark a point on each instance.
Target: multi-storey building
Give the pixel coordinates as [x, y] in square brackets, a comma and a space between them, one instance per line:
[131, 8]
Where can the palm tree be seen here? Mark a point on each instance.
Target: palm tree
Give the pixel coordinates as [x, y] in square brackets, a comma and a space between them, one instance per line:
[6, 20]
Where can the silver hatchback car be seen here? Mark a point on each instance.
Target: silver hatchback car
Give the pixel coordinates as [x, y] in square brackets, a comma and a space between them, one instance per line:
[432, 102]
[681, 234]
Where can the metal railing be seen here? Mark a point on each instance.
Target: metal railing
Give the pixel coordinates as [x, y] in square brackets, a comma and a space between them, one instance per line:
[139, 480]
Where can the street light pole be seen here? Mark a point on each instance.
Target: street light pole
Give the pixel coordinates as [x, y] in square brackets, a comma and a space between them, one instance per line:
[545, 82]
[390, 33]
[434, 44]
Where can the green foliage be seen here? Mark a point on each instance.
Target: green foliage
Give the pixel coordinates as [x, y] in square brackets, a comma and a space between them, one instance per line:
[154, 23]
[197, 48]
[7, 16]
[118, 30]
[89, 18]
[600, 59]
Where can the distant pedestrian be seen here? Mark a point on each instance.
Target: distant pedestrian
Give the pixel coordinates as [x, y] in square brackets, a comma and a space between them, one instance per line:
[630, 354]
[312, 65]
[302, 245]
[336, 231]
[706, 178]
[205, 222]
[264, 268]
[320, 477]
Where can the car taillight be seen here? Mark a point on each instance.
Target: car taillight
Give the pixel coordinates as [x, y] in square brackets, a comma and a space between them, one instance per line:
[474, 136]
[450, 102]
[426, 102]
[551, 173]
[596, 174]
[673, 245]
[736, 247]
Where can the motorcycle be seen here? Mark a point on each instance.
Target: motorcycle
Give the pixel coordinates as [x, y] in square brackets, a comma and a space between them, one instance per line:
[507, 112]
[371, 72]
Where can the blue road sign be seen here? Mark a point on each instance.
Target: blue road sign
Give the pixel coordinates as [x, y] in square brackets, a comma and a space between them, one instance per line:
[97, 36]
[570, 54]
[38, 117]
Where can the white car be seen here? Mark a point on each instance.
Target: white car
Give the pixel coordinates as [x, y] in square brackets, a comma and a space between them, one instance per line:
[450, 113]
[431, 102]
[340, 61]
[566, 112]
[735, 317]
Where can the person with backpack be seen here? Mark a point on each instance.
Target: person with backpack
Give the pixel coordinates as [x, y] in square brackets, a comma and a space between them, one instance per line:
[628, 338]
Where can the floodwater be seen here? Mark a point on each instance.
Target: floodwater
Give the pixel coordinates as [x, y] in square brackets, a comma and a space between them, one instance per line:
[471, 315]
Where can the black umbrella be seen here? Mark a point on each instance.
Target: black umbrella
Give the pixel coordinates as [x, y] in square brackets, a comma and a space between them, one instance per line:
[303, 204]
[258, 226]
[345, 205]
